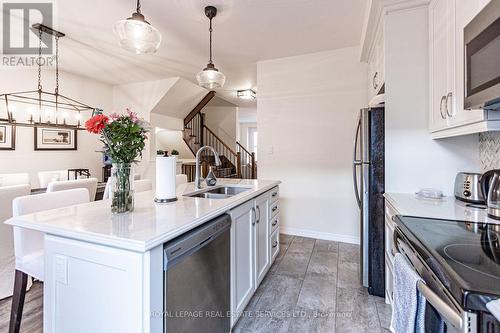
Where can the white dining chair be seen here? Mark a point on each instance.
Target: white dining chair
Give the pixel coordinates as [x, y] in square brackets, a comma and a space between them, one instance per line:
[9, 179]
[28, 244]
[7, 194]
[181, 179]
[139, 186]
[45, 177]
[143, 185]
[88, 183]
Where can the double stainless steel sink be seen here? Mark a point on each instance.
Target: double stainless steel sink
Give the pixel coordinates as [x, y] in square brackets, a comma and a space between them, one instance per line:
[219, 192]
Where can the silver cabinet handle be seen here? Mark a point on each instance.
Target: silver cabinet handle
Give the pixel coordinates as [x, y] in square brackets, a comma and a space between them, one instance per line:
[374, 81]
[275, 222]
[275, 243]
[274, 208]
[254, 216]
[443, 115]
[449, 97]
[258, 209]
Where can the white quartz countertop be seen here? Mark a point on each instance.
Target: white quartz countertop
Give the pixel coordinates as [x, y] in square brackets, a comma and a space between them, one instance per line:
[148, 225]
[447, 208]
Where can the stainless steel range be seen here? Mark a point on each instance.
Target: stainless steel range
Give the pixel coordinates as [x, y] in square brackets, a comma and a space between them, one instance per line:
[460, 264]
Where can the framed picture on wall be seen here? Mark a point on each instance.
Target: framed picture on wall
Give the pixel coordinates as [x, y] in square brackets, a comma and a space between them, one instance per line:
[53, 138]
[7, 137]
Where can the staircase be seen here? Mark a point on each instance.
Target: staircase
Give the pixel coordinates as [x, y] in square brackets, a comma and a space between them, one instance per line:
[235, 164]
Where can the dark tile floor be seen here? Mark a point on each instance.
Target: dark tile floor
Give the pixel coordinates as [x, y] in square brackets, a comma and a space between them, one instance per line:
[313, 286]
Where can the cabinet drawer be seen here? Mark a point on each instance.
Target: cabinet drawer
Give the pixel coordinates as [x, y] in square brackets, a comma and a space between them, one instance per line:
[275, 244]
[390, 214]
[275, 194]
[275, 222]
[275, 208]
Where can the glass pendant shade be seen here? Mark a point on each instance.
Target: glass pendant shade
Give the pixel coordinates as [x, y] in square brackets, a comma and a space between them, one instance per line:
[211, 78]
[136, 35]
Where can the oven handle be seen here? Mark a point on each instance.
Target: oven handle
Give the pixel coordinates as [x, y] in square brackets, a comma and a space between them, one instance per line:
[448, 313]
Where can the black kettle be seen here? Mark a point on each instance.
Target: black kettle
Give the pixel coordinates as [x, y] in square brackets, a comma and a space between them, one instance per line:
[490, 187]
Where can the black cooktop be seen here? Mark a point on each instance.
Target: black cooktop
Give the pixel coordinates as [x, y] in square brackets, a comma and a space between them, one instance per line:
[464, 255]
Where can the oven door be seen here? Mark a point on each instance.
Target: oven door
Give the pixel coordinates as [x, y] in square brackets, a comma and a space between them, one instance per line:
[455, 318]
[482, 59]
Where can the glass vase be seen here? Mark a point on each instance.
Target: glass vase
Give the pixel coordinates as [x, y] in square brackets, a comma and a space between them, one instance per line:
[122, 188]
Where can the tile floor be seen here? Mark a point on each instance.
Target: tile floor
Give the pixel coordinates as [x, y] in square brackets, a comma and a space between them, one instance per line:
[313, 286]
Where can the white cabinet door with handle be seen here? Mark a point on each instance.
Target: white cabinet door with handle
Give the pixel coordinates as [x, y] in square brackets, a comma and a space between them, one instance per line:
[439, 61]
[262, 234]
[242, 256]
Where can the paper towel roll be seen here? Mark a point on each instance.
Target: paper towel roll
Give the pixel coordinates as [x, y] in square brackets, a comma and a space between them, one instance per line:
[165, 177]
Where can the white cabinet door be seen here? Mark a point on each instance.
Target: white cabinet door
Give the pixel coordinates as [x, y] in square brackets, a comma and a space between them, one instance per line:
[439, 44]
[262, 238]
[242, 256]
[376, 62]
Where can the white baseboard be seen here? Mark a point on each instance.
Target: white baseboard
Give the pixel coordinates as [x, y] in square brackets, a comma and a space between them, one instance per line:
[319, 235]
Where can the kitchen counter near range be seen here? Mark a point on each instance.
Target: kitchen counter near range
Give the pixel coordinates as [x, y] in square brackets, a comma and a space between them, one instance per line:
[447, 208]
[149, 225]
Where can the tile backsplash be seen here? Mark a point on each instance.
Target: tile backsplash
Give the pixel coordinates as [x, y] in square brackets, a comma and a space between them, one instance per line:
[489, 150]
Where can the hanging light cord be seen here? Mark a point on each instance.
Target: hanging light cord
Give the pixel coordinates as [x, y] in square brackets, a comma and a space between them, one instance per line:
[139, 6]
[57, 66]
[39, 60]
[210, 30]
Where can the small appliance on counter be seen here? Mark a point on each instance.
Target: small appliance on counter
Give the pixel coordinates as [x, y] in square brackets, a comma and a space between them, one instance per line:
[490, 187]
[468, 188]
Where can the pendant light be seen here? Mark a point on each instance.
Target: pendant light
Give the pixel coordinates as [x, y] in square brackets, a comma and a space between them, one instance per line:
[210, 77]
[137, 35]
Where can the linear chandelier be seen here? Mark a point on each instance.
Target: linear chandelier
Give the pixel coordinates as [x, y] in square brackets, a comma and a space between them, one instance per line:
[43, 108]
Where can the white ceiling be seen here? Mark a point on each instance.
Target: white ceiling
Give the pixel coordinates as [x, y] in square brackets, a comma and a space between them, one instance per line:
[245, 31]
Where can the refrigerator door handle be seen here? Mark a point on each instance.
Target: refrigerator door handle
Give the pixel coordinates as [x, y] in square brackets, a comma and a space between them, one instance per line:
[356, 163]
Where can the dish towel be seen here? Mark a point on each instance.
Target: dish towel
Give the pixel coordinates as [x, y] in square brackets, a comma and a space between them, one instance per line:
[408, 310]
[494, 307]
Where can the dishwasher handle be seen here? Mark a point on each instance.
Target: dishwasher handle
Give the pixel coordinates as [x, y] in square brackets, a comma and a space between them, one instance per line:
[192, 241]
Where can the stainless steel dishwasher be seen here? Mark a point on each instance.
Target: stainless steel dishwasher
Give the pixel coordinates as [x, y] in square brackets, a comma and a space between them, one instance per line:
[197, 279]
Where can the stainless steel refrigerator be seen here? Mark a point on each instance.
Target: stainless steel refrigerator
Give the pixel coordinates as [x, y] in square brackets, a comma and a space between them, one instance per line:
[368, 177]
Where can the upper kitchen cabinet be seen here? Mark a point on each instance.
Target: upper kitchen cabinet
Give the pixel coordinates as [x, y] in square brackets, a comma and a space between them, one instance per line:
[447, 115]
[372, 50]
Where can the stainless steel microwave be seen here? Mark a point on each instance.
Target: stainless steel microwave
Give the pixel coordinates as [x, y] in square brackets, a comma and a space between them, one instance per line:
[482, 59]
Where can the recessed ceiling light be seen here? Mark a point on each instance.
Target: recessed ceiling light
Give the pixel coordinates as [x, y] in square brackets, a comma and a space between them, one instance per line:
[246, 94]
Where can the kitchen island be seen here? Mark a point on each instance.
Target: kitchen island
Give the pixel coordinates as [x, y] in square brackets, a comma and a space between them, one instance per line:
[104, 272]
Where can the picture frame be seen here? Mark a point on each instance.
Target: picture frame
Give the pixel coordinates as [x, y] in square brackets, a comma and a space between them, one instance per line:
[7, 137]
[54, 138]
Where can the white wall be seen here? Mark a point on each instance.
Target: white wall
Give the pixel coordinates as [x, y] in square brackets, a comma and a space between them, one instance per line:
[243, 134]
[142, 97]
[413, 159]
[306, 116]
[169, 140]
[223, 121]
[24, 158]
